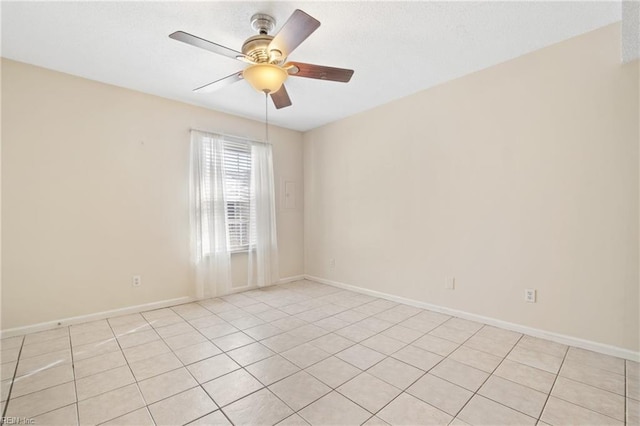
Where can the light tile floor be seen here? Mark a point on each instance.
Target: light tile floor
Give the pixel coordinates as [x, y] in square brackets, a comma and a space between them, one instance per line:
[306, 353]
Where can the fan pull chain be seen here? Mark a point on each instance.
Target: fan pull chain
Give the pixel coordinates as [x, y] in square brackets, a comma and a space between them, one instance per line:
[266, 116]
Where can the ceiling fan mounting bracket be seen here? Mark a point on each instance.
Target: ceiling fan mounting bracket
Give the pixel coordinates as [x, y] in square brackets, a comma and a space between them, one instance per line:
[263, 23]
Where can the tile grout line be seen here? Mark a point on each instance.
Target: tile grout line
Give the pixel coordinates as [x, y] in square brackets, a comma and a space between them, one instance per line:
[73, 371]
[308, 323]
[589, 385]
[594, 386]
[514, 345]
[591, 409]
[399, 360]
[326, 300]
[222, 352]
[360, 343]
[183, 365]
[45, 388]
[135, 379]
[296, 412]
[554, 383]
[160, 338]
[13, 378]
[189, 372]
[490, 375]
[159, 374]
[427, 372]
[356, 343]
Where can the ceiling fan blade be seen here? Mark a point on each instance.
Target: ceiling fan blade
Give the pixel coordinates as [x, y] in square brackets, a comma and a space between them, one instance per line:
[206, 44]
[281, 98]
[319, 72]
[298, 27]
[218, 84]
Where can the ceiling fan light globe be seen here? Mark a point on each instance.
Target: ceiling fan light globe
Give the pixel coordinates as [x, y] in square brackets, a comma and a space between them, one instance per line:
[265, 77]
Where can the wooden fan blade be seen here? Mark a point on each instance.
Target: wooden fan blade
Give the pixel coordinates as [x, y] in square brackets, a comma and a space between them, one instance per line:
[281, 98]
[218, 84]
[298, 69]
[206, 44]
[298, 27]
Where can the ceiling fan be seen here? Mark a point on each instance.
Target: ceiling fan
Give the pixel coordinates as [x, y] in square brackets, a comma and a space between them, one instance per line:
[267, 55]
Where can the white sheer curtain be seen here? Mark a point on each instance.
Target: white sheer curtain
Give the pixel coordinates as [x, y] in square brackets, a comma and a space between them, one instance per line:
[208, 216]
[263, 249]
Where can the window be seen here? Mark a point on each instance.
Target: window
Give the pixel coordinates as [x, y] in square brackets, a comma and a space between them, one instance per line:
[235, 163]
[231, 208]
[237, 180]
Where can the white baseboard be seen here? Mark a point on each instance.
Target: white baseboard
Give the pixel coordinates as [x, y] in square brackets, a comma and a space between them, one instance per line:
[556, 337]
[291, 279]
[48, 325]
[535, 332]
[247, 287]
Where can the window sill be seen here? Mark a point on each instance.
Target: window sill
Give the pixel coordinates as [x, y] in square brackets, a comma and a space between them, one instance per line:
[237, 251]
[241, 250]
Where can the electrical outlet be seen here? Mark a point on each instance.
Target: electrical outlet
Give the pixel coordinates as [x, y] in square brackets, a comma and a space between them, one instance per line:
[450, 283]
[136, 281]
[332, 263]
[530, 295]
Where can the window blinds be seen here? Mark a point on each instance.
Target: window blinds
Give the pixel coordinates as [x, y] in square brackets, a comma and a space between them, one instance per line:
[237, 180]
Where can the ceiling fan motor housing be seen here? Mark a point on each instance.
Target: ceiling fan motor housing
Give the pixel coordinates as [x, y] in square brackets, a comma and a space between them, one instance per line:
[257, 47]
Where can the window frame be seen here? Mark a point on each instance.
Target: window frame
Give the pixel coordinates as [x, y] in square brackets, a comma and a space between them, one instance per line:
[237, 180]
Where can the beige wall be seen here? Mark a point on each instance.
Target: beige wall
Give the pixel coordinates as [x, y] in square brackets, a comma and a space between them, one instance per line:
[523, 175]
[95, 190]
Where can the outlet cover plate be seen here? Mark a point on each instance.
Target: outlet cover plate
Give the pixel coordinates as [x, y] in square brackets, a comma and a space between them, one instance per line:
[530, 295]
[450, 284]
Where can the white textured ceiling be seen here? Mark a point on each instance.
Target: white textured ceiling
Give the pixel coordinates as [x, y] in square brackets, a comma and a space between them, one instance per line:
[395, 48]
